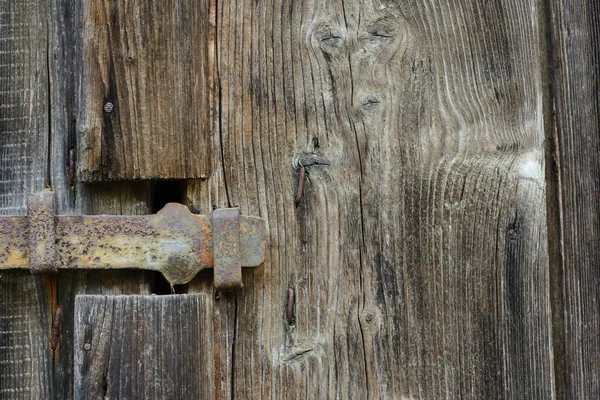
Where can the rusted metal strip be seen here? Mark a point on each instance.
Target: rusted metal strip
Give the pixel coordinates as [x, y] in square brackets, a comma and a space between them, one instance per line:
[41, 232]
[174, 241]
[226, 244]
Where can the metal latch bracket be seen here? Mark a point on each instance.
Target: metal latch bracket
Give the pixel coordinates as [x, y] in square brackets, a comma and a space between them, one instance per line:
[174, 241]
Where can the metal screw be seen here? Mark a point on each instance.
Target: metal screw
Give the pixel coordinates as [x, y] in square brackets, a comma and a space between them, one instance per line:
[512, 234]
[87, 346]
[369, 317]
[108, 107]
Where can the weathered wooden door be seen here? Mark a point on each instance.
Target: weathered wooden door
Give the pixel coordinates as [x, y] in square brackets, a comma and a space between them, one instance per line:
[428, 171]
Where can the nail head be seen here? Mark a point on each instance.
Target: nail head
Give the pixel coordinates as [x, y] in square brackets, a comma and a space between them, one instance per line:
[108, 107]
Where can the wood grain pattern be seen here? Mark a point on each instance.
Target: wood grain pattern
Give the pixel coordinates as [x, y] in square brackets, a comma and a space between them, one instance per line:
[25, 304]
[419, 256]
[146, 347]
[61, 68]
[143, 93]
[23, 102]
[575, 46]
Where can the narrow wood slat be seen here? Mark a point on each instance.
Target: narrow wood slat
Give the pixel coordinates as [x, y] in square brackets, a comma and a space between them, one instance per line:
[143, 93]
[575, 53]
[145, 347]
[25, 300]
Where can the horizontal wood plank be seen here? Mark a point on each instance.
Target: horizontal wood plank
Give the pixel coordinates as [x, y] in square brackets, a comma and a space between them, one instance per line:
[144, 347]
[143, 93]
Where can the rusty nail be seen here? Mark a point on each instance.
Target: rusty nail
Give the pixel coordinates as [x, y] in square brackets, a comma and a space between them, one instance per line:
[108, 107]
[71, 167]
[55, 329]
[289, 308]
[300, 189]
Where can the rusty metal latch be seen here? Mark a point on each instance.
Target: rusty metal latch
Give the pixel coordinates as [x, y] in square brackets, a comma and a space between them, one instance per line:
[174, 241]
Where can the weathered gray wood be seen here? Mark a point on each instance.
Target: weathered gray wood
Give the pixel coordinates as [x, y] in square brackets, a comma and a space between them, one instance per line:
[575, 46]
[144, 347]
[418, 257]
[61, 67]
[25, 300]
[23, 102]
[25, 320]
[143, 93]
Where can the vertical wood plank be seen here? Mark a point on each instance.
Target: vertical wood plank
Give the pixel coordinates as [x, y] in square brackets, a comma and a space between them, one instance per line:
[147, 347]
[418, 255]
[142, 90]
[575, 46]
[24, 102]
[63, 154]
[25, 303]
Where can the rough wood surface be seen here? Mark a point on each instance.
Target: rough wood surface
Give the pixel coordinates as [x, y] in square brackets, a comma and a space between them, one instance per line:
[143, 93]
[144, 347]
[25, 322]
[25, 300]
[61, 67]
[23, 102]
[575, 48]
[418, 257]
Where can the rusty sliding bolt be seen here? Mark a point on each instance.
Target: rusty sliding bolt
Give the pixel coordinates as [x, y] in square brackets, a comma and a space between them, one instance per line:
[174, 241]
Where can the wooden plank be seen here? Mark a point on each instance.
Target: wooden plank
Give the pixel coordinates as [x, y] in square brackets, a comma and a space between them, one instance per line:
[61, 67]
[23, 102]
[418, 257]
[147, 347]
[25, 300]
[25, 320]
[575, 47]
[143, 94]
